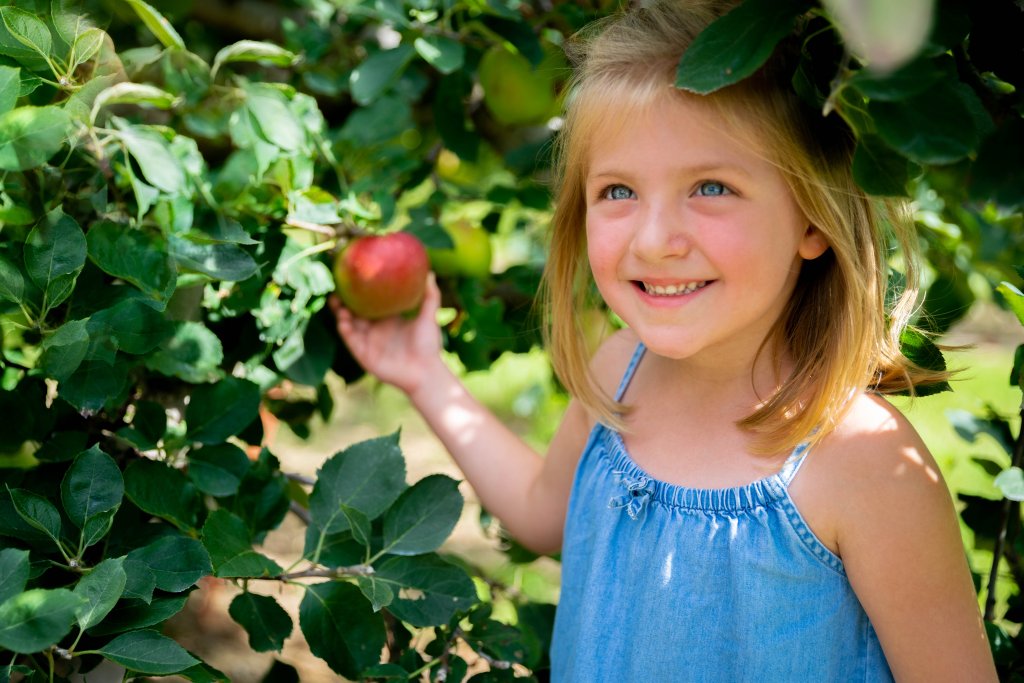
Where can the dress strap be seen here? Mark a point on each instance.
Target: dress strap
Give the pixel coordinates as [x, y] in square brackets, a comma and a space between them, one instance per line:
[793, 463]
[630, 370]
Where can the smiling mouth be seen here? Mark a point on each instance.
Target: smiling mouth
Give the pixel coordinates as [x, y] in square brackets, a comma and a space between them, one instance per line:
[671, 290]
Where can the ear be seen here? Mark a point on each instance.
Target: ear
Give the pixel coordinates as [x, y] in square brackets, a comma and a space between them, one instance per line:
[813, 244]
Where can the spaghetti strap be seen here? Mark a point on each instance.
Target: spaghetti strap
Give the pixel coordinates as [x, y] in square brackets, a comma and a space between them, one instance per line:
[793, 463]
[627, 376]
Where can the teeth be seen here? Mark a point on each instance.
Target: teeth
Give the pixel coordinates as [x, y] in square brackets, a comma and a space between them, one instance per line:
[672, 290]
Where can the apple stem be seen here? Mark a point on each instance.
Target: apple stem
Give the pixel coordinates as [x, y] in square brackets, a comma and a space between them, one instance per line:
[312, 227]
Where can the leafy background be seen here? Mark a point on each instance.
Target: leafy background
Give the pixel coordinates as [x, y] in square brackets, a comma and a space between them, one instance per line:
[174, 180]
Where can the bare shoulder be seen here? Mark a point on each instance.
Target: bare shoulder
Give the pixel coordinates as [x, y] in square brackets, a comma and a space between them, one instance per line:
[872, 467]
[895, 527]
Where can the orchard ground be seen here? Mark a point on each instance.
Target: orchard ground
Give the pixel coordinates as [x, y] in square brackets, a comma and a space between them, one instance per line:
[519, 389]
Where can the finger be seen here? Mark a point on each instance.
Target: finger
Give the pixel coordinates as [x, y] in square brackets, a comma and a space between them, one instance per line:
[432, 297]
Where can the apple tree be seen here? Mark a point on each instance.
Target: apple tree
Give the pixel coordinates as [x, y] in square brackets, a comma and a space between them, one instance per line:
[175, 181]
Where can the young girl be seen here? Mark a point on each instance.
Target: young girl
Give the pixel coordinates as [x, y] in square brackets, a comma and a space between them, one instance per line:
[731, 498]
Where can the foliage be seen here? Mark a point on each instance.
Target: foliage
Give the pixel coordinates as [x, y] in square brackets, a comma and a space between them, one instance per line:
[170, 201]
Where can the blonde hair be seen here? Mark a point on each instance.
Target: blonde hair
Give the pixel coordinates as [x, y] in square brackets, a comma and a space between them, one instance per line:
[837, 327]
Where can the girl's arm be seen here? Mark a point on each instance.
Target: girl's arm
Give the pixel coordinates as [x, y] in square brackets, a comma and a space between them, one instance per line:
[901, 546]
[527, 492]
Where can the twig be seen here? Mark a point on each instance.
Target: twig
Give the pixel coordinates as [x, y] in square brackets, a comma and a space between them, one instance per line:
[300, 512]
[1010, 508]
[300, 478]
[339, 572]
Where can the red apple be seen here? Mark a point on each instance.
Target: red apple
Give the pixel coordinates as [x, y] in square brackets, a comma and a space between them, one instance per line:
[379, 276]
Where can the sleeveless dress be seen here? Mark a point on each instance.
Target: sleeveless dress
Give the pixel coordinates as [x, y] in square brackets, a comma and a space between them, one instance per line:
[669, 583]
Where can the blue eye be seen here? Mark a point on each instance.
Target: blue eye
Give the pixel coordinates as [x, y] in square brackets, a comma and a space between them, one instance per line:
[712, 188]
[617, 192]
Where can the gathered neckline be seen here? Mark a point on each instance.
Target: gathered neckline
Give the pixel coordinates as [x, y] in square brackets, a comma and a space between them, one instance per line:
[758, 493]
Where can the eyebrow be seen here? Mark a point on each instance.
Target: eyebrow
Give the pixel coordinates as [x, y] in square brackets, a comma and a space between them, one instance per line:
[695, 170]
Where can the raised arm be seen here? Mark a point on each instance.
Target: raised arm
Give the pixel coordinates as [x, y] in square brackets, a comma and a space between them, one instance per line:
[527, 492]
[902, 550]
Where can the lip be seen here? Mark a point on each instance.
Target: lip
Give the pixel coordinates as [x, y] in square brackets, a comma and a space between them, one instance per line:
[669, 300]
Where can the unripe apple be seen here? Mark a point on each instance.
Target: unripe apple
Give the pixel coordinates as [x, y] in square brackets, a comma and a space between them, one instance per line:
[379, 276]
[885, 34]
[514, 91]
[470, 255]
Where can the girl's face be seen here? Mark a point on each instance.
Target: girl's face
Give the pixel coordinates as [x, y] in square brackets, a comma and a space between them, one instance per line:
[694, 240]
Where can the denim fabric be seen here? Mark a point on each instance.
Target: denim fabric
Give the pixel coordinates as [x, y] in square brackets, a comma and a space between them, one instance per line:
[668, 583]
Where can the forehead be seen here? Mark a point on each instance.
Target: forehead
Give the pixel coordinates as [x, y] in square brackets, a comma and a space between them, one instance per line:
[673, 128]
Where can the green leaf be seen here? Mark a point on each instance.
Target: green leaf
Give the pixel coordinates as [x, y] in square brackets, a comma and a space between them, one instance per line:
[444, 54]
[923, 352]
[193, 353]
[148, 652]
[341, 628]
[367, 476]
[131, 614]
[230, 546]
[218, 470]
[252, 51]
[100, 590]
[12, 283]
[176, 562]
[370, 79]
[65, 349]
[358, 523]
[134, 255]
[29, 136]
[429, 591]
[737, 44]
[218, 411]
[133, 326]
[266, 622]
[10, 87]
[153, 155]
[85, 46]
[156, 23]
[908, 80]
[1011, 482]
[1017, 373]
[95, 382]
[55, 252]
[934, 126]
[14, 567]
[1014, 298]
[37, 511]
[277, 123]
[997, 174]
[92, 485]
[28, 30]
[141, 581]
[163, 492]
[879, 170]
[423, 517]
[378, 592]
[36, 619]
[134, 93]
[221, 261]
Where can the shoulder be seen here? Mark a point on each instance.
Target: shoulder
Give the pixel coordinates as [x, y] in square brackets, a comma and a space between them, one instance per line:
[875, 447]
[612, 358]
[896, 529]
[871, 468]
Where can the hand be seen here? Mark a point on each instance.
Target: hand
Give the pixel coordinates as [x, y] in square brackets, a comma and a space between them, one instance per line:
[397, 350]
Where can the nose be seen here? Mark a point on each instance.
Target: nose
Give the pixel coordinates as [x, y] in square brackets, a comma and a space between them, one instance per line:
[661, 233]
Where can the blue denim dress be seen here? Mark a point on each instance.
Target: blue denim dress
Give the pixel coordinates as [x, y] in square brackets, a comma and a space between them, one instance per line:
[669, 583]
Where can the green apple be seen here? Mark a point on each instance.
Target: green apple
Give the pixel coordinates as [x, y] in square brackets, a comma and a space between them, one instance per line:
[24, 458]
[378, 276]
[470, 255]
[515, 92]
